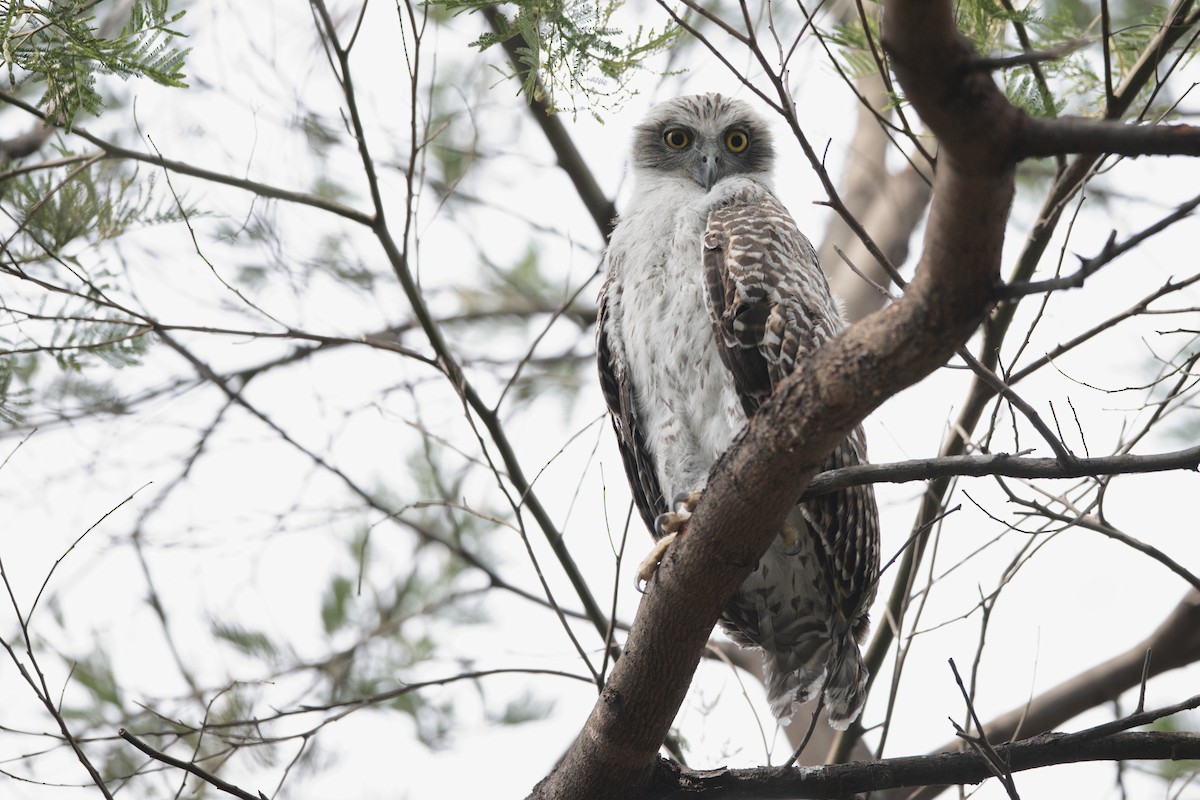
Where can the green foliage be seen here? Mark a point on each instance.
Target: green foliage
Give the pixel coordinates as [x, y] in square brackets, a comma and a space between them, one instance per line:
[573, 46]
[61, 215]
[13, 400]
[523, 708]
[249, 642]
[57, 46]
[1025, 92]
[987, 22]
[117, 344]
[523, 294]
[335, 605]
[334, 256]
[853, 43]
[95, 674]
[1067, 82]
[58, 207]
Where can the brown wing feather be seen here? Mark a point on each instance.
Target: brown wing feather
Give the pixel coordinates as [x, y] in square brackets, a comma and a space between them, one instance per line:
[619, 394]
[771, 307]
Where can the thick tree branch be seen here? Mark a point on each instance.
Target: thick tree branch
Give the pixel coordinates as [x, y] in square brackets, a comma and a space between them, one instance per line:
[1052, 137]
[847, 780]
[757, 481]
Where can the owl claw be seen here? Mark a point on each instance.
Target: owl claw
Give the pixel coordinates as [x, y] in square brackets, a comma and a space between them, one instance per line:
[649, 564]
[666, 527]
[791, 537]
[675, 521]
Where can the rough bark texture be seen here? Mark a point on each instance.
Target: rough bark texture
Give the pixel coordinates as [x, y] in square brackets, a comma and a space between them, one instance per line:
[847, 780]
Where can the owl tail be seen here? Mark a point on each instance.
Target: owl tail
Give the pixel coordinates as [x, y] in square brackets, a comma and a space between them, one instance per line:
[839, 669]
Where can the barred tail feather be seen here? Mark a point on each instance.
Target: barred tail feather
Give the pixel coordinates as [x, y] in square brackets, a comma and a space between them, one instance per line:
[846, 691]
[841, 671]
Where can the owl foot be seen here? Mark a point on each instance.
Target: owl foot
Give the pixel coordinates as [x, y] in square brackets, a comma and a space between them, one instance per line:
[791, 537]
[666, 527]
[649, 564]
[675, 521]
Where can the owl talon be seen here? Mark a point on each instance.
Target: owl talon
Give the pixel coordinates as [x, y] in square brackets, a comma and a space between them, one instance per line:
[649, 564]
[666, 527]
[673, 522]
[688, 500]
[791, 537]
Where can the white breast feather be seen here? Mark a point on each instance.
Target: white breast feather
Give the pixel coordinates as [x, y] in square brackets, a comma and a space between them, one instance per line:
[686, 395]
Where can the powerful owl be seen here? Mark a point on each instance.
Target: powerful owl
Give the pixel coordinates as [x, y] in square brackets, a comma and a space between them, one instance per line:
[713, 296]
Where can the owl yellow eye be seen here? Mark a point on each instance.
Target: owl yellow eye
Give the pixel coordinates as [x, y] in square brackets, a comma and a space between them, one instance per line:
[676, 138]
[737, 140]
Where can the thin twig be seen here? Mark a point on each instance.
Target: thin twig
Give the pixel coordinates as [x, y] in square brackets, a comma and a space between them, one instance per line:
[203, 775]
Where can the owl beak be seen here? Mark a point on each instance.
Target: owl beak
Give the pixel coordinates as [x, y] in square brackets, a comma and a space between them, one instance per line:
[709, 170]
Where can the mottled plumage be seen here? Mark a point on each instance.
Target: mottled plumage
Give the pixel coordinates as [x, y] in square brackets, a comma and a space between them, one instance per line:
[713, 296]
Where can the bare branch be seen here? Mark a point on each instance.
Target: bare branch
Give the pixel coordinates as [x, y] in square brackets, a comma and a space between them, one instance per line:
[1174, 25]
[848, 780]
[1051, 137]
[1002, 464]
[188, 766]
[116, 151]
[397, 255]
[1029, 57]
[1110, 252]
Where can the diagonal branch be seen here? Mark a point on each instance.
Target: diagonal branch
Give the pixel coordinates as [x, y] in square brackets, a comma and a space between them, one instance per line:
[397, 256]
[1180, 18]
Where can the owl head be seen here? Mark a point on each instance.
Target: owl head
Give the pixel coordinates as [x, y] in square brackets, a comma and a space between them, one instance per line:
[703, 138]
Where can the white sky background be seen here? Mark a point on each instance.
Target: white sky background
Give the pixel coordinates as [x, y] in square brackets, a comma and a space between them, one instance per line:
[255, 533]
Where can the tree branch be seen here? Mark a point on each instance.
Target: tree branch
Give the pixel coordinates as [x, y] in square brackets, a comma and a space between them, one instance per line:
[1176, 22]
[1052, 137]
[847, 780]
[116, 151]
[187, 766]
[1109, 253]
[1000, 464]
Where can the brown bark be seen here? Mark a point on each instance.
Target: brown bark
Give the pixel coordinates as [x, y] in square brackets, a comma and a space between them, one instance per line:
[847, 780]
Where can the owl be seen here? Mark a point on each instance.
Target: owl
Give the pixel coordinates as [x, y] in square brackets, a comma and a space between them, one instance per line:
[712, 297]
